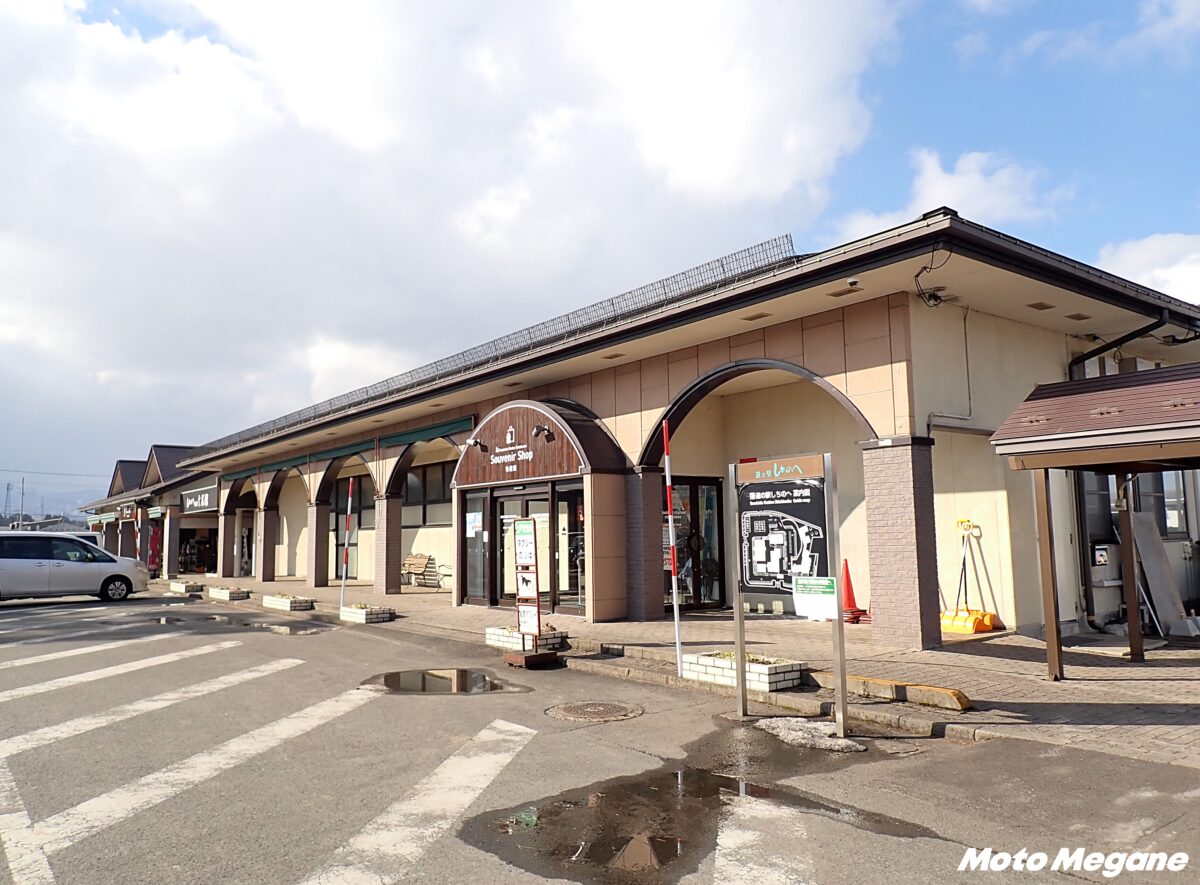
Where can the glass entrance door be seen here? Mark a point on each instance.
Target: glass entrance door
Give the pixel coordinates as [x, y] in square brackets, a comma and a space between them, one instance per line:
[699, 512]
[508, 511]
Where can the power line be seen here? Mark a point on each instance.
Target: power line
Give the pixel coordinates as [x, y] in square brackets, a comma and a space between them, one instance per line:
[51, 473]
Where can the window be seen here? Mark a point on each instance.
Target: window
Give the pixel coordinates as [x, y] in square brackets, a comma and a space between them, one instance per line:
[427, 499]
[1163, 495]
[1099, 492]
[361, 510]
[25, 548]
[66, 550]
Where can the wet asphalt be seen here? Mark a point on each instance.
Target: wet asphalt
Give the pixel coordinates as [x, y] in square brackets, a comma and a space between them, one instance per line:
[677, 794]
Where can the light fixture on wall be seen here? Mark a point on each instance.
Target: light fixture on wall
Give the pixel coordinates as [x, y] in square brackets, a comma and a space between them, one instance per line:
[543, 430]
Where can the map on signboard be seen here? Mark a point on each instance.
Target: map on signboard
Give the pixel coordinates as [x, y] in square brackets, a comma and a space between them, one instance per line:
[525, 544]
[528, 620]
[527, 585]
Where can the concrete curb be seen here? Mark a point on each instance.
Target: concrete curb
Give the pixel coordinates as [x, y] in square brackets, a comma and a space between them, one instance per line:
[908, 721]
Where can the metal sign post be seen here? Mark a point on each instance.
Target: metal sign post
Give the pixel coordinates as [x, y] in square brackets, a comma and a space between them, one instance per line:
[839, 626]
[346, 542]
[674, 562]
[733, 580]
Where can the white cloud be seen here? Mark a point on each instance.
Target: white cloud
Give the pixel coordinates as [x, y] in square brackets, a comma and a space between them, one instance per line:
[1167, 28]
[982, 186]
[212, 212]
[1169, 263]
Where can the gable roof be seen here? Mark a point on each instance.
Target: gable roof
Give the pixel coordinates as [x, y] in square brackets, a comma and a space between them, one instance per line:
[162, 465]
[127, 477]
[1147, 420]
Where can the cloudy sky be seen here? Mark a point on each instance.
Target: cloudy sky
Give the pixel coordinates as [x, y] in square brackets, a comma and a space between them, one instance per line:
[215, 211]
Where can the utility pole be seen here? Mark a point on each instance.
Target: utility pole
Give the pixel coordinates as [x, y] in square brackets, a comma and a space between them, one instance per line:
[8, 487]
[21, 515]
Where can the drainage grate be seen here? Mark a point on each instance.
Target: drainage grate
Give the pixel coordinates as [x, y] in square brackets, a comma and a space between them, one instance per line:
[595, 711]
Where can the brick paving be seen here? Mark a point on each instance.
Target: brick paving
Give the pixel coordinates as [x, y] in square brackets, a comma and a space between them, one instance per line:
[1149, 711]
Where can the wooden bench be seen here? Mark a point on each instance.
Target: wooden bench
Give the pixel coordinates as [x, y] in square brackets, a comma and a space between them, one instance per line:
[422, 571]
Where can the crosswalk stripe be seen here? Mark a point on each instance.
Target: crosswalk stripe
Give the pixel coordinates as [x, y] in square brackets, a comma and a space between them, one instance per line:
[398, 837]
[92, 675]
[741, 855]
[99, 617]
[62, 637]
[85, 650]
[68, 827]
[56, 612]
[27, 866]
[52, 733]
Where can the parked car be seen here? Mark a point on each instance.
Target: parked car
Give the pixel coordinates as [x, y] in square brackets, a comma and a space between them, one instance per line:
[93, 538]
[57, 564]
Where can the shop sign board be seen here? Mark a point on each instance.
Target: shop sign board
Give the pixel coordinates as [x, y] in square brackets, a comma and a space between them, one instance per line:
[126, 511]
[529, 619]
[525, 543]
[782, 523]
[198, 500]
[521, 443]
[527, 585]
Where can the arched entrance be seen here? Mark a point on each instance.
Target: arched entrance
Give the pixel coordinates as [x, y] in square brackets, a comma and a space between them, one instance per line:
[287, 496]
[743, 411]
[239, 513]
[344, 495]
[556, 465]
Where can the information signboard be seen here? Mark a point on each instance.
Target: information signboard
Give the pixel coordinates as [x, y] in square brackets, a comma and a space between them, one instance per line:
[529, 619]
[527, 585]
[525, 543]
[782, 523]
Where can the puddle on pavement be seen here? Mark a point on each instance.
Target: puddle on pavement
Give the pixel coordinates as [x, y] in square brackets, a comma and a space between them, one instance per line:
[451, 681]
[302, 628]
[660, 826]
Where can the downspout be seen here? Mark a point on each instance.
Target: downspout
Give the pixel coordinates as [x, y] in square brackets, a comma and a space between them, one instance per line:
[1075, 373]
[967, 366]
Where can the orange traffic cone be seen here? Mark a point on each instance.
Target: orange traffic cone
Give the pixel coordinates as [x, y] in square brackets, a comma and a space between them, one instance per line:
[851, 613]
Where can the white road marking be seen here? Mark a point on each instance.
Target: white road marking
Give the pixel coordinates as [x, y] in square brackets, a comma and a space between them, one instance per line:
[27, 866]
[396, 839]
[88, 818]
[61, 637]
[29, 614]
[100, 617]
[92, 675]
[85, 650]
[742, 854]
[52, 733]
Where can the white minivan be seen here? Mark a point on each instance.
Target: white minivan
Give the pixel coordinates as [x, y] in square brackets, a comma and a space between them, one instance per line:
[57, 564]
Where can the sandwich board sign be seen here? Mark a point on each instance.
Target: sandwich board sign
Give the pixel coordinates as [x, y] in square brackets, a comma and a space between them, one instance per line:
[529, 619]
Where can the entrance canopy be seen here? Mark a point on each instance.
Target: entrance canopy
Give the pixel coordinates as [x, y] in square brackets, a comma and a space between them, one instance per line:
[1118, 424]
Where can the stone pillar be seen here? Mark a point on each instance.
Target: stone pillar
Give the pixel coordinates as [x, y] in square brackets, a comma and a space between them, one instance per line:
[318, 545]
[389, 548]
[141, 528]
[127, 540]
[266, 536]
[902, 543]
[643, 544]
[170, 543]
[226, 544]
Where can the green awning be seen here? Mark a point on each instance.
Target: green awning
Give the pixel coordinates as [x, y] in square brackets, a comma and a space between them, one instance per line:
[433, 431]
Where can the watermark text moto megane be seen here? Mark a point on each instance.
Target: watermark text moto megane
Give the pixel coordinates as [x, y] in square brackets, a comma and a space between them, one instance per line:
[1073, 860]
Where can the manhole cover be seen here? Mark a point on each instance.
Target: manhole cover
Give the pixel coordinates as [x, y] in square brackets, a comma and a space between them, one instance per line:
[595, 711]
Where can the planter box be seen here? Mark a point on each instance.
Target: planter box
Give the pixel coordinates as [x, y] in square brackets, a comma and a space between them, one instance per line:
[185, 587]
[228, 594]
[510, 640]
[288, 603]
[759, 677]
[374, 615]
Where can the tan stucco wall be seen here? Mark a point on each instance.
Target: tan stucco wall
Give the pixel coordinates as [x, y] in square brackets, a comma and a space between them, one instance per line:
[1007, 360]
[291, 551]
[604, 537]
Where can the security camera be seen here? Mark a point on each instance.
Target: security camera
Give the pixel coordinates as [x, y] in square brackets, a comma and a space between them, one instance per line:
[853, 282]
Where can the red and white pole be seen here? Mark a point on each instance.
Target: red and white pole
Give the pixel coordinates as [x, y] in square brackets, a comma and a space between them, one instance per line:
[671, 538]
[346, 542]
